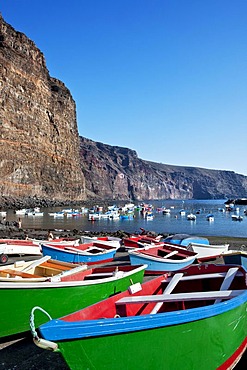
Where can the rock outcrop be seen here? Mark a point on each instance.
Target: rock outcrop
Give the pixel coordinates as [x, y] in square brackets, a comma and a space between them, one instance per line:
[113, 172]
[39, 137]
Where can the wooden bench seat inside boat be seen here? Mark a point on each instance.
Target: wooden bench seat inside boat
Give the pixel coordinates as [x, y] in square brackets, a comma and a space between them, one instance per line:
[191, 296]
[154, 303]
[54, 265]
[213, 275]
[10, 272]
[163, 253]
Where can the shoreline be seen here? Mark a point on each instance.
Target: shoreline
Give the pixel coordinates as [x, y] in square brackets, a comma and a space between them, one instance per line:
[35, 233]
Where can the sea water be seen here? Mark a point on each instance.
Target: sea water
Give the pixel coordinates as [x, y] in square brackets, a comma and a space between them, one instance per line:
[171, 223]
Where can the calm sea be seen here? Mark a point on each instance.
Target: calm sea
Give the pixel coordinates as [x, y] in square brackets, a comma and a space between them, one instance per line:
[223, 225]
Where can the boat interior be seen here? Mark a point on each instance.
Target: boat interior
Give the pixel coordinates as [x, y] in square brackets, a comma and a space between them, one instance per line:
[183, 291]
[40, 270]
[196, 286]
[92, 248]
[168, 252]
[65, 271]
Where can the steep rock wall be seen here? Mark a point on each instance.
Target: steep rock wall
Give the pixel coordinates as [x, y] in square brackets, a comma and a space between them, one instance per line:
[39, 138]
[113, 172]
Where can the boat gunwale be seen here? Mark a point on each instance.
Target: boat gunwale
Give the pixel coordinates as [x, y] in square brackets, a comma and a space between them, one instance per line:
[41, 284]
[60, 329]
[77, 251]
[162, 260]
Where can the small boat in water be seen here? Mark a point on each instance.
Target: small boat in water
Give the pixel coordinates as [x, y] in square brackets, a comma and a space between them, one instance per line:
[182, 212]
[90, 253]
[191, 217]
[237, 218]
[210, 217]
[57, 286]
[149, 216]
[166, 211]
[162, 258]
[193, 319]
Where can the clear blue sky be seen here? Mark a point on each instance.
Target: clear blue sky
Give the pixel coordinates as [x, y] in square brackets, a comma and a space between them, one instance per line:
[167, 78]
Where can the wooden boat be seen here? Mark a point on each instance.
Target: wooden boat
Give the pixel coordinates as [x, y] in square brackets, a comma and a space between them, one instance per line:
[127, 216]
[235, 257]
[210, 217]
[205, 252]
[109, 240]
[133, 241]
[191, 217]
[59, 287]
[17, 247]
[149, 216]
[94, 216]
[40, 270]
[90, 253]
[194, 319]
[198, 245]
[237, 218]
[67, 241]
[185, 239]
[166, 211]
[164, 257]
[22, 212]
[182, 212]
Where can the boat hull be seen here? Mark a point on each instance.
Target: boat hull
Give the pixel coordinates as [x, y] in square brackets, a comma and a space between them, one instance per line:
[67, 256]
[156, 267]
[207, 251]
[18, 299]
[197, 344]
[238, 258]
[19, 247]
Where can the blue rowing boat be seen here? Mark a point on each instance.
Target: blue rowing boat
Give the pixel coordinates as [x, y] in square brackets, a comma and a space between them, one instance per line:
[90, 253]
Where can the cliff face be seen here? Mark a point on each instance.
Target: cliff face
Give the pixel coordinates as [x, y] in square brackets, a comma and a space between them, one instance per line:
[43, 161]
[39, 137]
[113, 172]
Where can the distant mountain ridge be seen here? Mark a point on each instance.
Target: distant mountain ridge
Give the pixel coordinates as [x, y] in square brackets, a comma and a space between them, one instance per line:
[113, 172]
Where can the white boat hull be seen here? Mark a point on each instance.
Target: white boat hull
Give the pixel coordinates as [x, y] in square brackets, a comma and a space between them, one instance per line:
[204, 251]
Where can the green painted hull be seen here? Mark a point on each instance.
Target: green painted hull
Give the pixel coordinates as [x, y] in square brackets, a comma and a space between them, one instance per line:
[17, 303]
[205, 344]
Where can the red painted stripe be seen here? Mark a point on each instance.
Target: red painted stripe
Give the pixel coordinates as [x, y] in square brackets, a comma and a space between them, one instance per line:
[233, 360]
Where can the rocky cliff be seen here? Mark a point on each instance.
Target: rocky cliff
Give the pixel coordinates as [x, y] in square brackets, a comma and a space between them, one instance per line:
[113, 172]
[43, 162]
[39, 137]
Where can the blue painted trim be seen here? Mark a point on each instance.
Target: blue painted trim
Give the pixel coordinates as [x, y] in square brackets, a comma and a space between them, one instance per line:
[57, 330]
